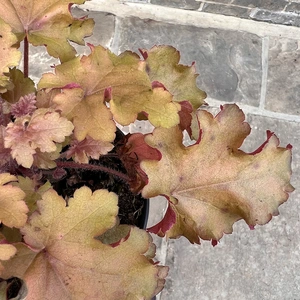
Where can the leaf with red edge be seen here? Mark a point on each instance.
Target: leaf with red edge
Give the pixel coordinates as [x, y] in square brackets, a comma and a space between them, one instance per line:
[212, 184]
[162, 65]
[133, 151]
[47, 23]
[62, 258]
[120, 80]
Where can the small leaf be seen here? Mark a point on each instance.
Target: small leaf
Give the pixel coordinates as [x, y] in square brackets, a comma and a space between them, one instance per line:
[162, 65]
[10, 56]
[25, 106]
[69, 263]
[13, 210]
[88, 148]
[41, 130]
[212, 184]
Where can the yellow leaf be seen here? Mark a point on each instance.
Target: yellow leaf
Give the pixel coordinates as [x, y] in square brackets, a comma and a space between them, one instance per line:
[13, 210]
[10, 56]
[69, 263]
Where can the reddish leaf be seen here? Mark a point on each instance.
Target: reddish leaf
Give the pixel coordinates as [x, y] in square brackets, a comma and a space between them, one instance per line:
[132, 153]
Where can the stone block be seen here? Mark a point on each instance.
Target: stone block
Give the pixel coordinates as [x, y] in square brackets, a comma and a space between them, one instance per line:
[293, 7]
[271, 5]
[283, 86]
[248, 264]
[227, 10]
[183, 4]
[229, 62]
[283, 18]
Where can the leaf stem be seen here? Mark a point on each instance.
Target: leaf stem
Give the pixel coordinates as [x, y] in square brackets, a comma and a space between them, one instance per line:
[73, 165]
[26, 55]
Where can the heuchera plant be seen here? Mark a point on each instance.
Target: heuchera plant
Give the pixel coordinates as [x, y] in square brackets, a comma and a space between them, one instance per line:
[72, 246]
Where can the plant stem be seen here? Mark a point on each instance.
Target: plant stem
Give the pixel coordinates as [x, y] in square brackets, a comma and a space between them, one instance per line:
[73, 165]
[26, 55]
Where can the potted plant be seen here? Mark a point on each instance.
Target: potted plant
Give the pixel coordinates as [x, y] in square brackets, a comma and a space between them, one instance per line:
[73, 186]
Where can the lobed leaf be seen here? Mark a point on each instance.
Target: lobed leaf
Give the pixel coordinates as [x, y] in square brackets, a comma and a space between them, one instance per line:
[212, 184]
[162, 65]
[50, 24]
[40, 131]
[120, 80]
[13, 210]
[69, 263]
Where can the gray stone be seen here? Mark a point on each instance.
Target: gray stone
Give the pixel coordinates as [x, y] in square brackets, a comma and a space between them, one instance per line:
[249, 264]
[293, 7]
[183, 4]
[283, 18]
[219, 1]
[227, 10]
[283, 88]
[229, 62]
[275, 5]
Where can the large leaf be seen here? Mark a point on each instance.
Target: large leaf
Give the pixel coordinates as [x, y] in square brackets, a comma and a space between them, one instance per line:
[162, 65]
[48, 23]
[10, 56]
[69, 263]
[212, 184]
[121, 80]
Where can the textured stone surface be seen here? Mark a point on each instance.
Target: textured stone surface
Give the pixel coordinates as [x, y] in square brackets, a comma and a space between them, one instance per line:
[249, 264]
[267, 4]
[229, 62]
[283, 87]
[183, 4]
[283, 18]
[227, 10]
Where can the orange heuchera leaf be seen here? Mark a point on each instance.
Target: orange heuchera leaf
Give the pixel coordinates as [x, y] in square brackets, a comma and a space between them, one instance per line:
[50, 25]
[162, 65]
[68, 262]
[212, 184]
[39, 131]
[13, 210]
[120, 80]
[9, 56]
[82, 151]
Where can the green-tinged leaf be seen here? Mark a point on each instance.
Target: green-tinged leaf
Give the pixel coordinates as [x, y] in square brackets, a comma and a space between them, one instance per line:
[47, 23]
[9, 57]
[212, 184]
[120, 80]
[21, 86]
[70, 263]
[13, 210]
[32, 191]
[163, 66]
